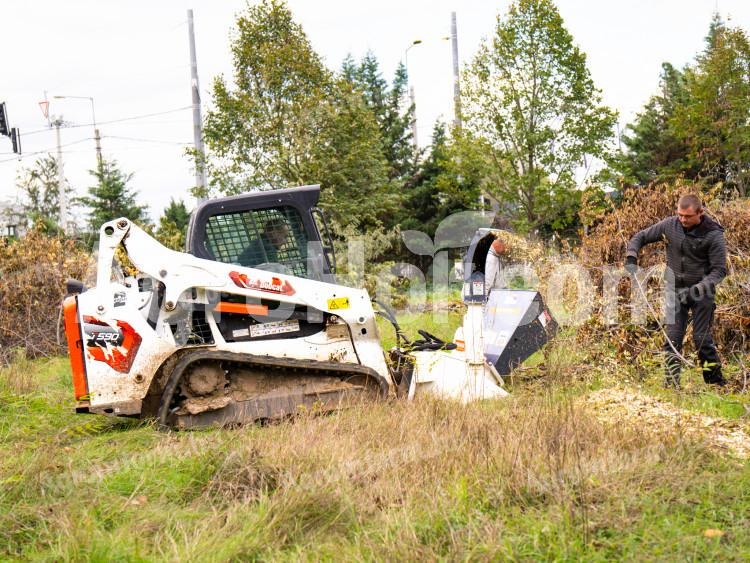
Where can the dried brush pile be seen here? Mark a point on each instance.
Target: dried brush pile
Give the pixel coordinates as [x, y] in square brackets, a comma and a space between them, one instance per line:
[606, 242]
[33, 271]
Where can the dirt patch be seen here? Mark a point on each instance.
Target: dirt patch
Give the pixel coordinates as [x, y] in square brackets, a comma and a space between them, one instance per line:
[620, 406]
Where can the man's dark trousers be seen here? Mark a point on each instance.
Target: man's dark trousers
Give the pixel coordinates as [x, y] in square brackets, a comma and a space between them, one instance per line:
[703, 314]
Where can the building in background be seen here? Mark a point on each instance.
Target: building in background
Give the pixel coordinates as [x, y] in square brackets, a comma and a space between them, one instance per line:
[12, 219]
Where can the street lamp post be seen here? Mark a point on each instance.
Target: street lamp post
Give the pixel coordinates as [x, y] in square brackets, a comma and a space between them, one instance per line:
[411, 91]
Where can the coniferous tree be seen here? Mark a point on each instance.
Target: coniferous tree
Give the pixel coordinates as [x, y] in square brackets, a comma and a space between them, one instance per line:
[111, 197]
[714, 123]
[436, 190]
[654, 151]
[698, 126]
[386, 103]
[173, 225]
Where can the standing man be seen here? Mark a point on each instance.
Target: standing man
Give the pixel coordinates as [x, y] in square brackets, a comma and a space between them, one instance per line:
[696, 255]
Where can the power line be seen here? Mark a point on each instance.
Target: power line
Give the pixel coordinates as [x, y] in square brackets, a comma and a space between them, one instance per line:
[30, 154]
[133, 118]
[145, 140]
[179, 25]
[115, 150]
[145, 116]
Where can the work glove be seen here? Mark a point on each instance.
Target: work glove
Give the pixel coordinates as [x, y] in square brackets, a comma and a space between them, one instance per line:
[631, 264]
[683, 295]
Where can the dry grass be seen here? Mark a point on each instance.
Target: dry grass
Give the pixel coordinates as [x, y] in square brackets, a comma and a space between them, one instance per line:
[536, 476]
[380, 474]
[18, 376]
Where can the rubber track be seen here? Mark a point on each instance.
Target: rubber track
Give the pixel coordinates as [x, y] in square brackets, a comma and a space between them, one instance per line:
[310, 367]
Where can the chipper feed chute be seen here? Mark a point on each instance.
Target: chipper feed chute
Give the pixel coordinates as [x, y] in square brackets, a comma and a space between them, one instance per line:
[516, 324]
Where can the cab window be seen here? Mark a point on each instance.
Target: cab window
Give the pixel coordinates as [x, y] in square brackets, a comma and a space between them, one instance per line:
[273, 239]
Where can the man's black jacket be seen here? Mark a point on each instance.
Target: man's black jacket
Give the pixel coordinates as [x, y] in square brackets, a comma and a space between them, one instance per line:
[698, 257]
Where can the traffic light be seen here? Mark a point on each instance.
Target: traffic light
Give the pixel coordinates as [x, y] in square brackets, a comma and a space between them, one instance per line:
[15, 137]
[4, 129]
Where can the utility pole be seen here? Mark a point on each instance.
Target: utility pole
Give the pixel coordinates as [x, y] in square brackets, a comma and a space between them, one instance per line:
[57, 123]
[97, 139]
[200, 155]
[456, 86]
[414, 116]
[411, 93]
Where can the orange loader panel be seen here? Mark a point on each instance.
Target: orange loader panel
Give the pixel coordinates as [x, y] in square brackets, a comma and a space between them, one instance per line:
[75, 348]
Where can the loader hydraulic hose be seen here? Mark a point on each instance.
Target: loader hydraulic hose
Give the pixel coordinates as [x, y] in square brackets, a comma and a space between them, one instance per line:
[431, 342]
[388, 314]
[168, 394]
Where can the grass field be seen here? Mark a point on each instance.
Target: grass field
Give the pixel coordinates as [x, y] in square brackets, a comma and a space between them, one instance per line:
[535, 476]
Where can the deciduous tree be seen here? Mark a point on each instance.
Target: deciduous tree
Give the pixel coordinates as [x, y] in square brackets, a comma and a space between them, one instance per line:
[529, 99]
[263, 127]
[39, 185]
[286, 120]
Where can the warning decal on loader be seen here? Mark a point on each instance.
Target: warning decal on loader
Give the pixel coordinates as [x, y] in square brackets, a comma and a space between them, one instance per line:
[338, 303]
[274, 285]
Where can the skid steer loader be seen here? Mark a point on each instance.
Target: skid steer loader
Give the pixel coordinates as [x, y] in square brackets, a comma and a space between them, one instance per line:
[247, 325]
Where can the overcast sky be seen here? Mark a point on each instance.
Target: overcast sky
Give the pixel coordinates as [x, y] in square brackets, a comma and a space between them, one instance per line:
[133, 59]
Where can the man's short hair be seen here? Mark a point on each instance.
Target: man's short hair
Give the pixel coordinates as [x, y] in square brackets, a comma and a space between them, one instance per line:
[690, 200]
[275, 225]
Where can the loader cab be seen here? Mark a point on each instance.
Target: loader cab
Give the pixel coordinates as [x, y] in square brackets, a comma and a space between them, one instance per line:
[275, 230]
